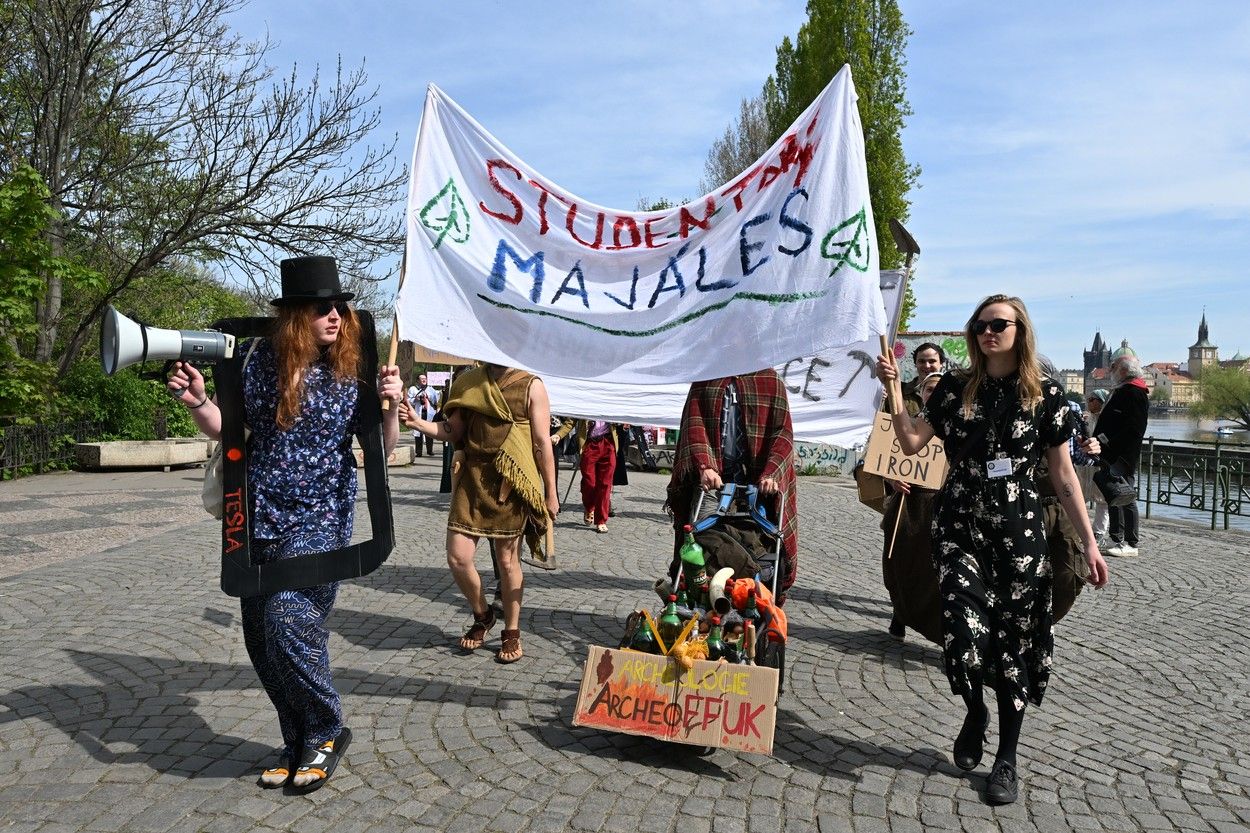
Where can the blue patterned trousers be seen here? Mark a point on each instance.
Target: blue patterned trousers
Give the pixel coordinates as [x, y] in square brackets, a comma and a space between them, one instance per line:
[287, 641]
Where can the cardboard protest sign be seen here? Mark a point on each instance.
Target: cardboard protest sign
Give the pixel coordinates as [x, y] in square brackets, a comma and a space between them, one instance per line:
[884, 457]
[506, 266]
[713, 704]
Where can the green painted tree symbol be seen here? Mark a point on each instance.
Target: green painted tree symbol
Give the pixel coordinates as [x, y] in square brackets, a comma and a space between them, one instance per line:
[853, 251]
[454, 223]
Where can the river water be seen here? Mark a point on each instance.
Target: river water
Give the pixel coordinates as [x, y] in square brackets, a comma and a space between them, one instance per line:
[1184, 427]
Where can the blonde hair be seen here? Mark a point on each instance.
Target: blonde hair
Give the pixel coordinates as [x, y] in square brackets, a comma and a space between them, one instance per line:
[296, 349]
[1030, 372]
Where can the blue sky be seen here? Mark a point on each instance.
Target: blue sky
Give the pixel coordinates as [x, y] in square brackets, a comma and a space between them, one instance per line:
[1093, 158]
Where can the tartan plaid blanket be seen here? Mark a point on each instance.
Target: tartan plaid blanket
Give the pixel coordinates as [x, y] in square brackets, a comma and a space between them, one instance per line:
[769, 446]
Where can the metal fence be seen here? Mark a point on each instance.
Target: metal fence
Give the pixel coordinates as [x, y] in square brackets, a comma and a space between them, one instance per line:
[1199, 475]
[39, 446]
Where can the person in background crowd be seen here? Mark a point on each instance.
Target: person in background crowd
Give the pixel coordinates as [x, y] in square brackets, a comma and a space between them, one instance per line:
[1120, 428]
[996, 421]
[1067, 558]
[908, 571]
[929, 360]
[737, 428]
[423, 399]
[598, 442]
[500, 418]
[301, 400]
[561, 428]
[1094, 404]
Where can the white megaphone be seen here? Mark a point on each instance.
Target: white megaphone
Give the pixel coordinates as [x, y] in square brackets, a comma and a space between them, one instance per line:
[124, 342]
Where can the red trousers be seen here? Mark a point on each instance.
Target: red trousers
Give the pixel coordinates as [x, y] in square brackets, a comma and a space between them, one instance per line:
[598, 465]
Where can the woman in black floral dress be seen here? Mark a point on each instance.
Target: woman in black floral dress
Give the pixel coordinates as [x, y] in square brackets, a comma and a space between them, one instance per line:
[996, 421]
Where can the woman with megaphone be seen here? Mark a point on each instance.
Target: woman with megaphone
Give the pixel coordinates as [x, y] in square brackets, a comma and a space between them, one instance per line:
[300, 398]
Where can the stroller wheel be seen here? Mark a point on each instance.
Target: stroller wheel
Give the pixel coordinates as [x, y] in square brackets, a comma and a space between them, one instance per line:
[773, 655]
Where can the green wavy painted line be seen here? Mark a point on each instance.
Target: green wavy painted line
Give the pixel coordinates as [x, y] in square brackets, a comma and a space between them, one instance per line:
[773, 300]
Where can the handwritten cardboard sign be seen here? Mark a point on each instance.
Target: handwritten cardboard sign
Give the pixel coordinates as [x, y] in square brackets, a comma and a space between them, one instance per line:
[713, 704]
[884, 457]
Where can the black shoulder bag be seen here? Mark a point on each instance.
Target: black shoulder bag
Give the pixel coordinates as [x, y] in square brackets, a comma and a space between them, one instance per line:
[1114, 484]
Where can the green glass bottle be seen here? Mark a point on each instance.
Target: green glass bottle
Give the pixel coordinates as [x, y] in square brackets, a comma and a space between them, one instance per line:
[683, 600]
[693, 564]
[670, 623]
[752, 612]
[643, 640]
[715, 646]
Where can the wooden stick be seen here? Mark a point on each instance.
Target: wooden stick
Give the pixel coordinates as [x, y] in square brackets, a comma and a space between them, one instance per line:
[894, 535]
[426, 111]
[393, 353]
[893, 391]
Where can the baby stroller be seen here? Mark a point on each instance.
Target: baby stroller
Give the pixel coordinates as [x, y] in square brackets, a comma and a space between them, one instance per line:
[736, 532]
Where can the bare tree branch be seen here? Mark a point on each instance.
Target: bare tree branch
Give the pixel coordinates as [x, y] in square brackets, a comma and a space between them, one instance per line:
[162, 135]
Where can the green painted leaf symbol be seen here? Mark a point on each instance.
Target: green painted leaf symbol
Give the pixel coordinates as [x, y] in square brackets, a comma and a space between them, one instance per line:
[454, 223]
[852, 251]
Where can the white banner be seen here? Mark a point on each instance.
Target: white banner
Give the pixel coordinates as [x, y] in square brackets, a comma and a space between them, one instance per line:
[505, 266]
[834, 393]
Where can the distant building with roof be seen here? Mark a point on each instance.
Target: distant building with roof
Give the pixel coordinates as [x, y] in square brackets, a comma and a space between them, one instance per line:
[1202, 353]
[1177, 386]
[1099, 355]
[1072, 380]
[1240, 361]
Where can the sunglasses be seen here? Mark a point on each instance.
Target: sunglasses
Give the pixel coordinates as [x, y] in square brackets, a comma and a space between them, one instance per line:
[996, 326]
[323, 308]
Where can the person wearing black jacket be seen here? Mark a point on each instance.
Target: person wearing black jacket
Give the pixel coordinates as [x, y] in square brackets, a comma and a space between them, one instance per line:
[1120, 429]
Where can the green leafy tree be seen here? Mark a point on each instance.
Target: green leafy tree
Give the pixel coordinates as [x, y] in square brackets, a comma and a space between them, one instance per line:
[1224, 393]
[27, 387]
[871, 36]
[161, 135]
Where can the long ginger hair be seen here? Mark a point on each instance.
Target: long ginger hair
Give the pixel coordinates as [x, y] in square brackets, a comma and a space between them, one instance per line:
[296, 349]
[1030, 373]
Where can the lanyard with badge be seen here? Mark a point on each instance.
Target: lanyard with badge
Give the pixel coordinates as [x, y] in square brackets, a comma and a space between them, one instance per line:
[999, 465]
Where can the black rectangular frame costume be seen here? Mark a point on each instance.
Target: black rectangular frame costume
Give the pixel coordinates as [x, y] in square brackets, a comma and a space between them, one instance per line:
[239, 575]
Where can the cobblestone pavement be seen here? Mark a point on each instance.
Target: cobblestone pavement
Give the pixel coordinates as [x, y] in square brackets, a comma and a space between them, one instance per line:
[127, 701]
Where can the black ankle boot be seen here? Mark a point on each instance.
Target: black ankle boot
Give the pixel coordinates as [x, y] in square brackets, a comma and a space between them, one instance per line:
[970, 742]
[1002, 786]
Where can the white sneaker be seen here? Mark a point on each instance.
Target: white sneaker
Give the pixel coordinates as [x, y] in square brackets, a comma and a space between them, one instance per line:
[1129, 551]
[1120, 550]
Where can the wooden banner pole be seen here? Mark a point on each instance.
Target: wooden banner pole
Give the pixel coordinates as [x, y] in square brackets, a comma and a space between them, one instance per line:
[393, 353]
[902, 498]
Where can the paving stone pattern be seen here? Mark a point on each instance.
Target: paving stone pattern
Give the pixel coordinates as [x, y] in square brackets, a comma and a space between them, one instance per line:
[127, 701]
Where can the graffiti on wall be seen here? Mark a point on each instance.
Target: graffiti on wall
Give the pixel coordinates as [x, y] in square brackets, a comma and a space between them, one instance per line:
[823, 458]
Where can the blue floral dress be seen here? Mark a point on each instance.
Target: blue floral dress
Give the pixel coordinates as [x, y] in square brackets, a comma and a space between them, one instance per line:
[302, 480]
[302, 483]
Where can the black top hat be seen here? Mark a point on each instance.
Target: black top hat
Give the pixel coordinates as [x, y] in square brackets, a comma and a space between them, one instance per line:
[309, 279]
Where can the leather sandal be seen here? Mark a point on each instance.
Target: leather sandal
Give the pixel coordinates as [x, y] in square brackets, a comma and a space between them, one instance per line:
[476, 634]
[511, 646]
